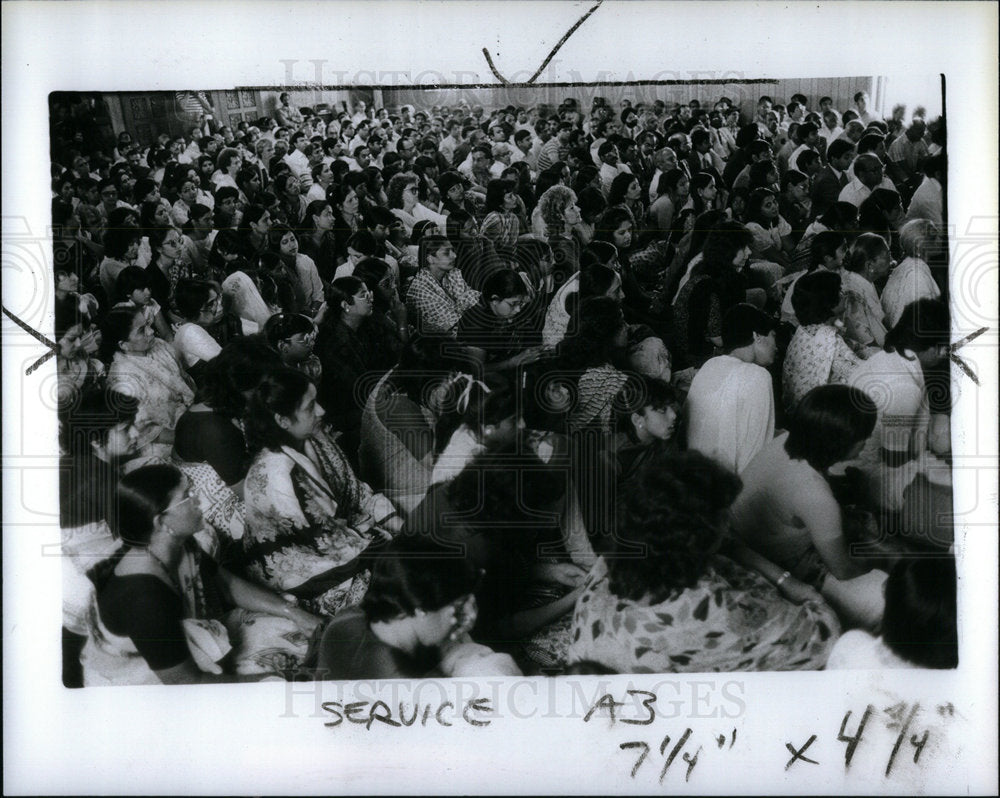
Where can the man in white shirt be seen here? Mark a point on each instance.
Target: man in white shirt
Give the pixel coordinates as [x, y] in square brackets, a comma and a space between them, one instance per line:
[296, 158]
[522, 147]
[868, 175]
[610, 166]
[361, 134]
[906, 154]
[730, 405]
[451, 141]
[927, 202]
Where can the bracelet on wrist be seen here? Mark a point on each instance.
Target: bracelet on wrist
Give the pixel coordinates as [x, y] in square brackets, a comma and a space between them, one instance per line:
[782, 578]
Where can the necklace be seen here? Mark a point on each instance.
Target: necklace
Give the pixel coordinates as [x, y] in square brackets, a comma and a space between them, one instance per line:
[163, 565]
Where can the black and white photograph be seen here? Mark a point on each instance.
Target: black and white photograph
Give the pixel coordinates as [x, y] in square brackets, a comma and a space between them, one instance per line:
[544, 430]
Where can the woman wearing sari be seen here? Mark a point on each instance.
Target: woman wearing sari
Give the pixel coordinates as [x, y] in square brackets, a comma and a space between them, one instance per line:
[167, 612]
[817, 354]
[146, 368]
[867, 264]
[310, 520]
[404, 425]
[683, 605]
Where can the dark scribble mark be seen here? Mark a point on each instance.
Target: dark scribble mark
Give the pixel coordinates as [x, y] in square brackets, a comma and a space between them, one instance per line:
[959, 361]
[549, 57]
[37, 336]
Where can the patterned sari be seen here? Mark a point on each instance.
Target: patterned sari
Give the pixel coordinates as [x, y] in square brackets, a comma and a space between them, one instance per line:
[309, 521]
[731, 620]
[157, 380]
[237, 641]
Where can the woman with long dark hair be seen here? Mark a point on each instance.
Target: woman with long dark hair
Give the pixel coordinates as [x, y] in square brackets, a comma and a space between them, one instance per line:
[626, 193]
[356, 348]
[716, 284]
[347, 218]
[297, 271]
[500, 226]
[319, 241]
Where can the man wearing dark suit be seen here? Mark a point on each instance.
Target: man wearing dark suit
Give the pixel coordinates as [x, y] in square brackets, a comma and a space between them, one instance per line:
[700, 159]
[832, 178]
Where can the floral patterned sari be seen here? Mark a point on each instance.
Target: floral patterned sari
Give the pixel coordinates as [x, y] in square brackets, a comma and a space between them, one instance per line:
[309, 520]
[731, 620]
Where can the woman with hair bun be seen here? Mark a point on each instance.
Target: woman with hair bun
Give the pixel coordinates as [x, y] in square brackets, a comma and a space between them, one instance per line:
[865, 267]
[166, 611]
[817, 353]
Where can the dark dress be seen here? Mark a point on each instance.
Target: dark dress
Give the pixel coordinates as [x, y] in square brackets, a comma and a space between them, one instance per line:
[212, 438]
[324, 255]
[502, 535]
[353, 362]
[144, 609]
[482, 328]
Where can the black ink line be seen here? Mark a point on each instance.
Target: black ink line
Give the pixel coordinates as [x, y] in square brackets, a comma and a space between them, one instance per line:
[918, 745]
[34, 334]
[673, 753]
[561, 84]
[959, 361]
[642, 757]
[852, 742]
[902, 736]
[692, 761]
[800, 753]
[552, 52]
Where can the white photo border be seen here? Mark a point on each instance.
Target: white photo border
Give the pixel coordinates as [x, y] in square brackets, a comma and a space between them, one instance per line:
[270, 737]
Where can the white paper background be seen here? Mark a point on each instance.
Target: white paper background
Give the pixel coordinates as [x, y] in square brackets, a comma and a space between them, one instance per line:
[262, 738]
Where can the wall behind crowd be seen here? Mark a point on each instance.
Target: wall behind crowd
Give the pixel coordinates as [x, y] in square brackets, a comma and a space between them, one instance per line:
[744, 95]
[147, 114]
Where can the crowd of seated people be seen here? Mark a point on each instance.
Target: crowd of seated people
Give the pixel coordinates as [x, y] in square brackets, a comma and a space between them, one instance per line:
[467, 392]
